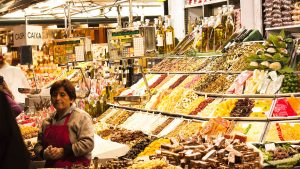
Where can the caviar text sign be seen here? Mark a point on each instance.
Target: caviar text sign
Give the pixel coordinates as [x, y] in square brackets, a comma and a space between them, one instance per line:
[26, 35]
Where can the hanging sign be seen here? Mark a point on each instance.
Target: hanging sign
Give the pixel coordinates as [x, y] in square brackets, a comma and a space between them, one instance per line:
[27, 35]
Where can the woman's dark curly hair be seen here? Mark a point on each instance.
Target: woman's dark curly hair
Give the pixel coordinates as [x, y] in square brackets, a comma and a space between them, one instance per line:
[67, 85]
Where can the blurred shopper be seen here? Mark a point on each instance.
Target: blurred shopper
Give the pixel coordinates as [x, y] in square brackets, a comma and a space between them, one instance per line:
[13, 152]
[67, 137]
[14, 78]
[16, 109]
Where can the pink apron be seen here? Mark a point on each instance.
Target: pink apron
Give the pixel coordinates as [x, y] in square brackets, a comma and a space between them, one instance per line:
[58, 136]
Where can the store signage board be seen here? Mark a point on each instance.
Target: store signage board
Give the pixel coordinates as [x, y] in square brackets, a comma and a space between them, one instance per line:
[125, 33]
[3, 50]
[27, 35]
[79, 53]
[88, 44]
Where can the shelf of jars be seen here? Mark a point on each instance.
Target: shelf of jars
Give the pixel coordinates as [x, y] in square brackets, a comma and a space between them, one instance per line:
[281, 15]
[190, 4]
[288, 28]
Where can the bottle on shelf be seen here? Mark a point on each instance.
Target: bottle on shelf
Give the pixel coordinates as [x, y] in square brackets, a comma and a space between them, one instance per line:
[224, 15]
[129, 72]
[160, 37]
[219, 30]
[156, 25]
[230, 21]
[170, 37]
[204, 34]
[147, 22]
[113, 92]
[124, 76]
[198, 37]
[195, 24]
[45, 49]
[190, 25]
[210, 34]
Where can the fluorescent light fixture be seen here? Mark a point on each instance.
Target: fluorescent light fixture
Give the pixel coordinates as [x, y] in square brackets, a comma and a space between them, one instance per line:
[52, 27]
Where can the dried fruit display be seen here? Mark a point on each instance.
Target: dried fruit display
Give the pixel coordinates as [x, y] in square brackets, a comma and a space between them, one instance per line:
[181, 64]
[283, 108]
[139, 88]
[119, 118]
[152, 164]
[181, 79]
[253, 130]
[28, 132]
[155, 145]
[171, 127]
[170, 65]
[160, 121]
[243, 108]
[225, 108]
[158, 66]
[201, 106]
[261, 108]
[210, 108]
[177, 130]
[219, 63]
[220, 85]
[168, 103]
[191, 129]
[237, 55]
[136, 149]
[162, 126]
[294, 102]
[197, 64]
[143, 121]
[105, 134]
[282, 131]
[190, 81]
[162, 91]
[186, 81]
[107, 112]
[192, 106]
[205, 81]
[217, 126]
[112, 164]
[131, 121]
[122, 136]
[155, 100]
[170, 82]
[158, 81]
[100, 127]
[167, 79]
[188, 101]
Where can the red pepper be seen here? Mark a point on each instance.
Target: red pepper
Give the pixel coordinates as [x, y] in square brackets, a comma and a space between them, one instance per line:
[280, 135]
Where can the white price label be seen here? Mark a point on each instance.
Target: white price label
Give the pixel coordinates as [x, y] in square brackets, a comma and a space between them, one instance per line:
[124, 80]
[270, 147]
[169, 38]
[160, 40]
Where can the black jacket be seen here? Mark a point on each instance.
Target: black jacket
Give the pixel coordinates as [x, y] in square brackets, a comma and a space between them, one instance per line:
[13, 152]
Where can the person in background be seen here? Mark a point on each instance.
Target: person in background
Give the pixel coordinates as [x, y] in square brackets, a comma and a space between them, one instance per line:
[13, 152]
[14, 78]
[16, 109]
[67, 137]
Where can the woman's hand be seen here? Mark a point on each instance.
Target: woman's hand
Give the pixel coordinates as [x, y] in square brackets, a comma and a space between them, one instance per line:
[53, 153]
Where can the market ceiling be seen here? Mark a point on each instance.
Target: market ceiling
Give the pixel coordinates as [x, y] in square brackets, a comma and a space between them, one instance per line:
[57, 8]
